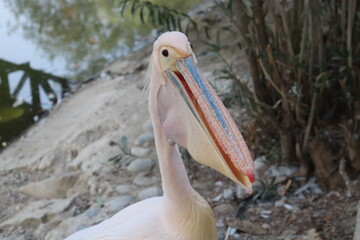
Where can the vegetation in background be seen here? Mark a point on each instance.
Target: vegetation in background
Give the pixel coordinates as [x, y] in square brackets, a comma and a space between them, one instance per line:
[266, 191]
[303, 59]
[89, 34]
[125, 157]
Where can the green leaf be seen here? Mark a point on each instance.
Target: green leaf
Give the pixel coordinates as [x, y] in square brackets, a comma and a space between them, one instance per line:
[179, 24]
[152, 16]
[172, 21]
[187, 28]
[229, 6]
[207, 34]
[124, 141]
[194, 24]
[142, 14]
[123, 7]
[116, 158]
[134, 8]
[160, 17]
[100, 201]
[239, 45]
[167, 21]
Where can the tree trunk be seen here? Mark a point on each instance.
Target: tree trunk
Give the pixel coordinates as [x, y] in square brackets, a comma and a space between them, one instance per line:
[243, 24]
[287, 140]
[357, 227]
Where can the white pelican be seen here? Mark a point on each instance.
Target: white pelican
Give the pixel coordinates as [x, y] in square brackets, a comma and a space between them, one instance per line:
[185, 111]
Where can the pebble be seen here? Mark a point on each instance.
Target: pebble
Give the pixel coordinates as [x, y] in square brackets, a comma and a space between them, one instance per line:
[92, 212]
[50, 188]
[124, 188]
[223, 209]
[217, 198]
[81, 227]
[288, 207]
[281, 171]
[219, 183]
[121, 202]
[228, 193]
[220, 223]
[144, 138]
[221, 236]
[149, 192]
[280, 202]
[35, 212]
[260, 166]
[140, 151]
[142, 180]
[265, 213]
[241, 193]
[266, 226]
[140, 165]
[148, 125]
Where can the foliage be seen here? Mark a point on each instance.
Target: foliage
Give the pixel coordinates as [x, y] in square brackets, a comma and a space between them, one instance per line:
[100, 201]
[158, 15]
[266, 191]
[126, 153]
[303, 61]
[87, 34]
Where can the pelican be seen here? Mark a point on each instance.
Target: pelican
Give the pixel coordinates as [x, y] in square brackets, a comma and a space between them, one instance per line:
[185, 111]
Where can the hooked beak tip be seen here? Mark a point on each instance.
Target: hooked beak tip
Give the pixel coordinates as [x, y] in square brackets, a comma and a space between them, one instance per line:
[250, 174]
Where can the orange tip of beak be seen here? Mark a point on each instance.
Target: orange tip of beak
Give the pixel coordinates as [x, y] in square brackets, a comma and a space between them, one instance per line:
[250, 174]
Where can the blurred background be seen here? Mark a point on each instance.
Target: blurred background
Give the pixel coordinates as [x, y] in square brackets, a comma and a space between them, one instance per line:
[46, 46]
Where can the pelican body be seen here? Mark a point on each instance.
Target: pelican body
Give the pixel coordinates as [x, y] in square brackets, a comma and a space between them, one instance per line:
[185, 111]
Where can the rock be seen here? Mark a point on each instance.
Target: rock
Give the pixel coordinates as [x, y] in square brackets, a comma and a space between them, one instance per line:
[140, 165]
[217, 198]
[241, 193]
[50, 188]
[265, 213]
[312, 234]
[75, 224]
[265, 226]
[142, 180]
[220, 223]
[140, 151]
[148, 125]
[220, 236]
[38, 212]
[260, 166]
[280, 171]
[91, 212]
[124, 188]
[144, 138]
[223, 210]
[228, 193]
[310, 185]
[98, 186]
[219, 183]
[121, 202]
[149, 192]
[357, 224]
[81, 226]
[245, 226]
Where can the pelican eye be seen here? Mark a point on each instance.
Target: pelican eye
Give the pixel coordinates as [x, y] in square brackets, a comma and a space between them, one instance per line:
[191, 46]
[165, 53]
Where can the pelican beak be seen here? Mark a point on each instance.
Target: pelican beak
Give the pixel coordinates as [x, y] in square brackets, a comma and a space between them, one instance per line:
[219, 144]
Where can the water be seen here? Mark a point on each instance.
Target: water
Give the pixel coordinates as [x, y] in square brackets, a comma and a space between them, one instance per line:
[70, 39]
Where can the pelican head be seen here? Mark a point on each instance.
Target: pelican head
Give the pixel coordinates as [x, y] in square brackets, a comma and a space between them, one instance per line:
[190, 113]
